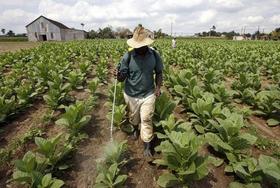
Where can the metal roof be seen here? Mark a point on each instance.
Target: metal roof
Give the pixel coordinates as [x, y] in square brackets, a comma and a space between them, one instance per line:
[58, 24]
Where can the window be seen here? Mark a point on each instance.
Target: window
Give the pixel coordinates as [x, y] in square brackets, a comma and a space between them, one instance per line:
[51, 35]
[42, 25]
[36, 35]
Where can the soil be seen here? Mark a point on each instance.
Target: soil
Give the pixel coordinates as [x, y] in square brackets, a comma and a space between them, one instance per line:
[14, 130]
[83, 173]
[16, 46]
[264, 129]
[22, 123]
[142, 172]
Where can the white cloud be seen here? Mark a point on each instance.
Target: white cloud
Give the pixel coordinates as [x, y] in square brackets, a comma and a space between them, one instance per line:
[188, 16]
[227, 5]
[15, 16]
[207, 16]
[255, 19]
[275, 19]
[163, 5]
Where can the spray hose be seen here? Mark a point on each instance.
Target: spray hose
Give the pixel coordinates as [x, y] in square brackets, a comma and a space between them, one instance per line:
[113, 110]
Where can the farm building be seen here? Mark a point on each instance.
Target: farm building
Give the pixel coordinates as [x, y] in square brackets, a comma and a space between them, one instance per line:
[239, 37]
[45, 29]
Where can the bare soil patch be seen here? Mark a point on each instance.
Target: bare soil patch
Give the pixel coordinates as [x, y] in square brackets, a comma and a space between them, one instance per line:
[15, 46]
[22, 123]
[264, 129]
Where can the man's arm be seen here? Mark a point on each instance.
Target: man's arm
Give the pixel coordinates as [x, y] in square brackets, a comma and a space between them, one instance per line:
[121, 76]
[121, 73]
[159, 79]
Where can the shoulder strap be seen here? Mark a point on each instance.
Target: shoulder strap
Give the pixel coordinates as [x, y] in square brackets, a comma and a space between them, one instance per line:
[154, 52]
[129, 57]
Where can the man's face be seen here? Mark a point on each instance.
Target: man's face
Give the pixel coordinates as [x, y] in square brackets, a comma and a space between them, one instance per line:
[141, 50]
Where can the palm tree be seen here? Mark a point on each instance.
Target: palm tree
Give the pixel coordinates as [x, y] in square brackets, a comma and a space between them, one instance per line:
[213, 28]
[3, 31]
[82, 24]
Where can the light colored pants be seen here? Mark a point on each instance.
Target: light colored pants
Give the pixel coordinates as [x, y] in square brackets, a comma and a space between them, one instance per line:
[141, 111]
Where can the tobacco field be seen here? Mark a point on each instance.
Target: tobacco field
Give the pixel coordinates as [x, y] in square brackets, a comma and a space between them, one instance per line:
[217, 121]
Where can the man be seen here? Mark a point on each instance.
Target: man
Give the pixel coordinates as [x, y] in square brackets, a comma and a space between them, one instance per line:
[137, 69]
[174, 42]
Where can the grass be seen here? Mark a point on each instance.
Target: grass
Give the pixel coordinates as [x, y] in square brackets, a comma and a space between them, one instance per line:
[13, 39]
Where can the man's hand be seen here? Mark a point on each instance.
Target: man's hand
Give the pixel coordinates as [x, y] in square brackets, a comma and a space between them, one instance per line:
[157, 92]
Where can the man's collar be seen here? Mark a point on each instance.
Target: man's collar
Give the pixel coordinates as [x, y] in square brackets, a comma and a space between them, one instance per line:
[150, 51]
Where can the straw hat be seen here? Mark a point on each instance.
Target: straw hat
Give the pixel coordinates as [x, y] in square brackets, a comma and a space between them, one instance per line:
[141, 37]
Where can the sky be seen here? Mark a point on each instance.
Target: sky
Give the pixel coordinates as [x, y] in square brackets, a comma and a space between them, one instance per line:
[187, 16]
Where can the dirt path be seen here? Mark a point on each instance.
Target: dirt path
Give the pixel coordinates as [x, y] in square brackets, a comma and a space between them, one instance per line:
[84, 162]
[142, 173]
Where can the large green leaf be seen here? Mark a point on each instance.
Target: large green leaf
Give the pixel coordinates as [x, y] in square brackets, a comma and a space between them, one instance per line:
[168, 180]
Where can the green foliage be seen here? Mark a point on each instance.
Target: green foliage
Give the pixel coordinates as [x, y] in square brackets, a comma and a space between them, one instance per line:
[92, 85]
[164, 106]
[221, 93]
[76, 79]
[52, 150]
[119, 94]
[49, 182]
[109, 173]
[115, 152]
[7, 107]
[211, 76]
[268, 104]
[119, 115]
[57, 92]
[84, 66]
[101, 70]
[246, 168]
[171, 124]
[271, 169]
[29, 170]
[180, 155]
[246, 85]
[75, 117]
[228, 138]
[25, 93]
[110, 178]
[240, 185]
[204, 111]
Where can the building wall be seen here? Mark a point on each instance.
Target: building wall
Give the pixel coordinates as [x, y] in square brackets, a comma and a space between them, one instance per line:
[72, 34]
[51, 31]
[238, 38]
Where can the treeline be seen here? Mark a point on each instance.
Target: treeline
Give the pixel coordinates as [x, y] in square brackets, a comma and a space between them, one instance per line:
[119, 32]
[274, 35]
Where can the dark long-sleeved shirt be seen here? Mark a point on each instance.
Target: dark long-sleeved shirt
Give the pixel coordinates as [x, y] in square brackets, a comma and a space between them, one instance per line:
[138, 74]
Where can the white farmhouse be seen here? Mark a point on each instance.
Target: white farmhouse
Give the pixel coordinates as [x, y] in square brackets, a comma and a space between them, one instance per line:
[45, 29]
[240, 37]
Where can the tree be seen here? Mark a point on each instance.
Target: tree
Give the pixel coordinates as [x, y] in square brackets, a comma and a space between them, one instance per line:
[3, 31]
[10, 33]
[275, 35]
[106, 32]
[92, 34]
[212, 31]
[122, 32]
[159, 34]
[82, 24]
